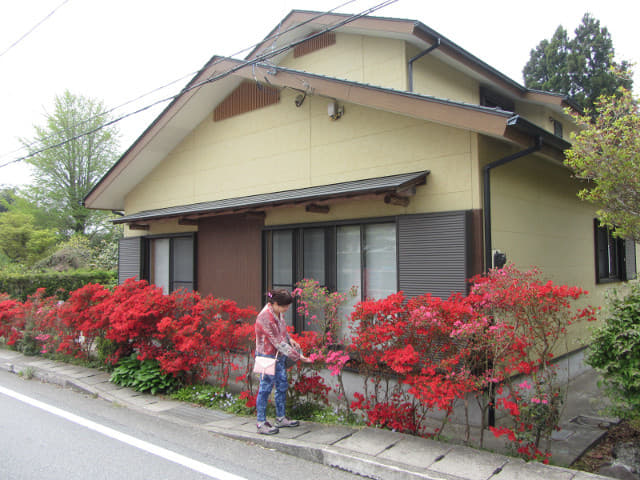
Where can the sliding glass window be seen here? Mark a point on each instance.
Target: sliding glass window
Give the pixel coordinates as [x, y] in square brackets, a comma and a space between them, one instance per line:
[171, 263]
[338, 256]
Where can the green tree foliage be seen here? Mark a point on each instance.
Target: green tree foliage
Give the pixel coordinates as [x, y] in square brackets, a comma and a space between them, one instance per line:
[606, 153]
[580, 68]
[80, 252]
[71, 152]
[21, 241]
[615, 353]
[7, 197]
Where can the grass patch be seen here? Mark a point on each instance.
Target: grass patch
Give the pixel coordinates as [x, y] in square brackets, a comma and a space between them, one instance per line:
[214, 397]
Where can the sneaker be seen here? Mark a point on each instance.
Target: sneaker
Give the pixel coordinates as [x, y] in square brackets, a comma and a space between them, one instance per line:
[285, 422]
[265, 428]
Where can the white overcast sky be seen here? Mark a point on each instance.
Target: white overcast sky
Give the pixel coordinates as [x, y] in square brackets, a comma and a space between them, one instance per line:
[117, 50]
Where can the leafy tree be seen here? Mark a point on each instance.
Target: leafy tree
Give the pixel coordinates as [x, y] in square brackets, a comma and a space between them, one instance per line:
[70, 153]
[606, 152]
[21, 241]
[16, 201]
[7, 197]
[580, 68]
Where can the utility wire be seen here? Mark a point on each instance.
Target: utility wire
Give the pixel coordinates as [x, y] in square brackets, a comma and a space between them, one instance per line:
[33, 28]
[107, 112]
[243, 64]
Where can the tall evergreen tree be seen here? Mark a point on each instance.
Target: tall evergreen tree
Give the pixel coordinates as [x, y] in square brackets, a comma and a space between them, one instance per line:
[581, 68]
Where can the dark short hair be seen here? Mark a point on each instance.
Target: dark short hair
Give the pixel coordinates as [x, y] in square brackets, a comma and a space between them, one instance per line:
[279, 296]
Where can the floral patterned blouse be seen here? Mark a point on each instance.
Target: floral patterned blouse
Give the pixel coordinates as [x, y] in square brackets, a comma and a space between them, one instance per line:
[272, 335]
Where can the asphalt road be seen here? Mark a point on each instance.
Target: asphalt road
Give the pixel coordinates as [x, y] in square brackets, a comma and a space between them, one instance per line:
[51, 433]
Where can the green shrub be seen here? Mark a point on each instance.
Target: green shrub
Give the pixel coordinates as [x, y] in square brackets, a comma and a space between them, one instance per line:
[21, 285]
[615, 352]
[211, 396]
[105, 350]
[144, 376]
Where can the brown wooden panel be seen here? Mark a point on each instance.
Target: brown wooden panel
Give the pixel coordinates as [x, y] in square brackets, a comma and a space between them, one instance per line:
[230, 258]
[313, 44]
[247, 97]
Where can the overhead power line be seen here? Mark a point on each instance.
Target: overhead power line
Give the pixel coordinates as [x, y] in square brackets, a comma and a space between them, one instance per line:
[33, 28]
[278, 33]
[259, 58]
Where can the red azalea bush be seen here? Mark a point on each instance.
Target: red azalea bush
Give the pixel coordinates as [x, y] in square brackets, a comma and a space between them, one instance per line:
[11, 320]
[80, 321]
[203, 334]
[416, 356]
[133, 312]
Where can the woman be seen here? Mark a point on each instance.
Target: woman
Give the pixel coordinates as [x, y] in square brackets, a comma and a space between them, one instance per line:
[272, 338]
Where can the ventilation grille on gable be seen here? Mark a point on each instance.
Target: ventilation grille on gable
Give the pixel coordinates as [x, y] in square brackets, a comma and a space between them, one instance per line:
[245, 98]
[313, 44]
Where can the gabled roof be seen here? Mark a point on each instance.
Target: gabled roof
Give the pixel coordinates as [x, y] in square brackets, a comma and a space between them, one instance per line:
[220, 76]
[299, 24]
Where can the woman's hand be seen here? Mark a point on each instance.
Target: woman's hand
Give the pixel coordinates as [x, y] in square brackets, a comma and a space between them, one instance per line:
[305, 359]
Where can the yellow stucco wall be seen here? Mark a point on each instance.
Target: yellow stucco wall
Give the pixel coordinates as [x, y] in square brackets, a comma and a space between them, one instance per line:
[435, 78]
[538, 221]
[542, 116]
[376, 61]
[283, 147]
[160, 228]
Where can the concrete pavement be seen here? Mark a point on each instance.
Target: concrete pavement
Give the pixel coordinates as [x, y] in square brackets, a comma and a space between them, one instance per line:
[370, 452]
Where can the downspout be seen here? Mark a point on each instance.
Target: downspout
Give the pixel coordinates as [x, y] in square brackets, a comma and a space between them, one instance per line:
[487, 195]
[420, 55]
[491, 413]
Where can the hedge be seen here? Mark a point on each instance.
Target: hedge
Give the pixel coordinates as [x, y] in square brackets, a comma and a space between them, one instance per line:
[58, 284]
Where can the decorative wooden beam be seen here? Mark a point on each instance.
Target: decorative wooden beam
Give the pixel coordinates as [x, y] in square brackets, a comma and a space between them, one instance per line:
[394, 199]
[315, 208]
[138, 226]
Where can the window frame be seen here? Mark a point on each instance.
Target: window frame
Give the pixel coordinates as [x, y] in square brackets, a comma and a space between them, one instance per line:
[492, 99]
[171, 237]
[620, 275]
[330, 253]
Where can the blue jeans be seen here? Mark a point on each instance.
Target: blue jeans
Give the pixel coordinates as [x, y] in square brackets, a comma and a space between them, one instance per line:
[266, 385]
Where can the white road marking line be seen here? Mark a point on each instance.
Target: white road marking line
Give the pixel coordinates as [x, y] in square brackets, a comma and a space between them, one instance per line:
[187, 462]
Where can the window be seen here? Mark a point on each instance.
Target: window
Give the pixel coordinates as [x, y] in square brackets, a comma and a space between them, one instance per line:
[615, 257]
[170, 263]
[337, 256]
[557, 127]
[489, 98]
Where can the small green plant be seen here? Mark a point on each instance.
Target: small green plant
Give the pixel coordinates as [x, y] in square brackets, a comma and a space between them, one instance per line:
[28, 373]
[615, 352]
[105, 349]
[28, 345]
[213, 397]
[143, 376]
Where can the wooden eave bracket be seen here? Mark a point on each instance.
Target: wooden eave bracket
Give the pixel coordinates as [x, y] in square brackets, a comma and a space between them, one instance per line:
[187, 221]
[401, 196]
[138, 226]
[395, 199]
[317, 208]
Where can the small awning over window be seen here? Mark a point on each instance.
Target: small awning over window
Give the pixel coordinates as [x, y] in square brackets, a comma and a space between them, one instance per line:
[396, 188]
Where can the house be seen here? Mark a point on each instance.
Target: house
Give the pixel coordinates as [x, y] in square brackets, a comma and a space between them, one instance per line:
[357, 151]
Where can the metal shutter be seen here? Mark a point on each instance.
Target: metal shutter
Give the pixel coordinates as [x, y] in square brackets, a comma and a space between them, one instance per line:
[432, 254]
[630, 259]
[129, 258]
